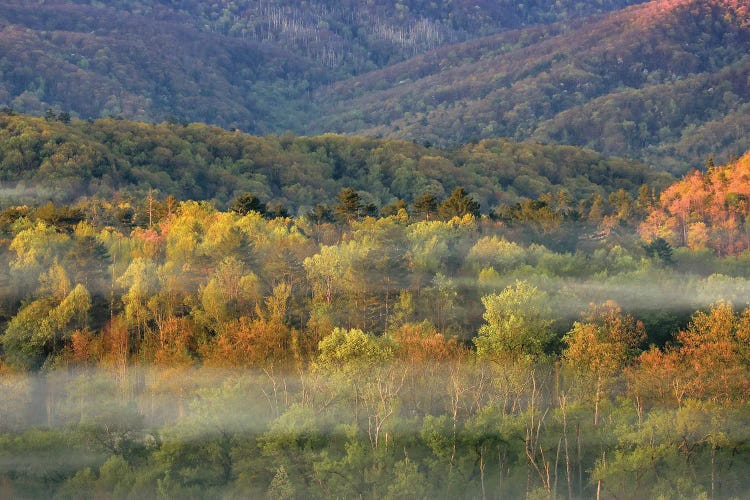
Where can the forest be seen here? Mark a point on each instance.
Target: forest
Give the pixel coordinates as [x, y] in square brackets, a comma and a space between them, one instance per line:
[457, 338]
[59, 159]
[398, 249]
[663, 82]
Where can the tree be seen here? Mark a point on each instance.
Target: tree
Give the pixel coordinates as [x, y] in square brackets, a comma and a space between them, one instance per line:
[281, 488]
[714, 350]
[661, 249]
[42, 327]
[518, 324]
[425, 205]
[246, 203]
[601, 346]
[321, 214]
[350, 205]
[458, 204]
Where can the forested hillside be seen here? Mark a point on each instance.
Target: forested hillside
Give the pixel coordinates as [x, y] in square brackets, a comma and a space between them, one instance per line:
[439, 249]
[248, 64]
[665, 81]
[96, 61]
[705, 210]
[51, 158]
[173, 349]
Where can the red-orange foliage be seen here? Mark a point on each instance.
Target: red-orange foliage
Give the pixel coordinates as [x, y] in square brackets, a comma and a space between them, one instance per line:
[245, 343]
[116, 343]
[149, 243]
[174, 338]
[421, 343]
[85, 347]
[657, 378]
[712, 361]
[706, 209]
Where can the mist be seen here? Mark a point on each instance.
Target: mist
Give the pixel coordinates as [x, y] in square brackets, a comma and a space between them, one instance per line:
[229, 432]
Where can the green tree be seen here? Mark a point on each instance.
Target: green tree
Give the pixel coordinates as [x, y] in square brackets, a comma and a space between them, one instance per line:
[458, 204]
[425, 205]
[518, 324]
[660, 249]
[246, 203]
[350, 204]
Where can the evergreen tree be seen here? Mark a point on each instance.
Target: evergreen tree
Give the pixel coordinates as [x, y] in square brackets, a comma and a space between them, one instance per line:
[246, 203]
[350, 204]
[425, 205]
[458, 204]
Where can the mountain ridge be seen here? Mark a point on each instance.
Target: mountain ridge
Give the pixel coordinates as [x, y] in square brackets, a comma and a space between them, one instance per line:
[512, 94]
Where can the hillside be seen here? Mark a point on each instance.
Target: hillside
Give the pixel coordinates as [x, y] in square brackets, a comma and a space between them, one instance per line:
[248, 64]
[664, 81]
[43, 159]
[705, 210]
[97, 61]
[352, 36]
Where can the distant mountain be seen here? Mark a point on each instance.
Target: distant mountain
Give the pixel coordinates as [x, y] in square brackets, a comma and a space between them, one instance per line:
[249, 64]
[96, 61]
[665, 81]
[351, 36]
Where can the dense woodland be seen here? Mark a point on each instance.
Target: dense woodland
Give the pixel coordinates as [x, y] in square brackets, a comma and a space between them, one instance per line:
[571, 341]
[249, 64]
[53, 158]
[664, 81]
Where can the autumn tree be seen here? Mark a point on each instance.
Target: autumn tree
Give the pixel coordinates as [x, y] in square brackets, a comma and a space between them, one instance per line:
[601, 346]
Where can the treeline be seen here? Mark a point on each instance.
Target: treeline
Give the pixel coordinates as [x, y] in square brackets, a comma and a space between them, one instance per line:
[423, 354]
[43, 159]
[87, 268]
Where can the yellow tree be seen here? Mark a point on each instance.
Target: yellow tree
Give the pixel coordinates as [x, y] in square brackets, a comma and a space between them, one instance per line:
[601, 346]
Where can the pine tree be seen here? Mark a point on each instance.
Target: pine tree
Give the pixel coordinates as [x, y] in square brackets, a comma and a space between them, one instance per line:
[425, 205]
[458, 204]
[350, 204]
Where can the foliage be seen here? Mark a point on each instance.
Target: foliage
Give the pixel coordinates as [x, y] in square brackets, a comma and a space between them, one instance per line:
[135, 172]
[705, 210]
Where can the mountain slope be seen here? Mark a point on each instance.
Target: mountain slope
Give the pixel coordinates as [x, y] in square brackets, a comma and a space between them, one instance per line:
[99, 61]
[351, 36]
[670, 68]
[249, 64]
